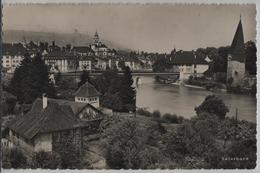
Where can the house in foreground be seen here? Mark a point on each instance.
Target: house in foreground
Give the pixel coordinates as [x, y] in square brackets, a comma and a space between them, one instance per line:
[52, 122]
[187, 63]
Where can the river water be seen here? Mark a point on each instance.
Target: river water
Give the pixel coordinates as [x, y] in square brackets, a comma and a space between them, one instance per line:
[180, 100]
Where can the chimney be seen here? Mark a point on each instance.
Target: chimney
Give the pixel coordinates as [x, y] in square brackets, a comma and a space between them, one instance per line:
[53, 43]
[44, 101]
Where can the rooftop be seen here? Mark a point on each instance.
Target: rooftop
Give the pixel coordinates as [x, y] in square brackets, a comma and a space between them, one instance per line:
[87, 90]
[188, 58]
[237, 49]
[58, 115]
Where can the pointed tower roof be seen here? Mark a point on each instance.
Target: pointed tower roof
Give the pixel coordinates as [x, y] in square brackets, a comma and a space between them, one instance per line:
[237, 47]
[96, 34]
[87, 90]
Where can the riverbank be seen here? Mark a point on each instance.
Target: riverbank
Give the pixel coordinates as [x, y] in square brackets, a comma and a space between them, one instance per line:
[169, 98]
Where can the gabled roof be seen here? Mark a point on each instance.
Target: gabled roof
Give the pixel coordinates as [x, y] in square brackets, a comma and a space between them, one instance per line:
[237, 47]
[59, 55]
[82, 49]
[13, 49]
[187, 58]
[59, 115]
[39, 120]
[87, 90]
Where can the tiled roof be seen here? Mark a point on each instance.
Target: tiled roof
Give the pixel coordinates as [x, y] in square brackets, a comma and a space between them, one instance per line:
[59, 55]
[59, 115]
[87, 90]
[82, 49]
[13, 49]
[187, 58]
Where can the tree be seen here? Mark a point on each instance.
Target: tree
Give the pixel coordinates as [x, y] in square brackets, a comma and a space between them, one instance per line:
[127, 92]
[38, 81]
[250, 50]
[19, 81]
[121, 64]
[58, 78]
[159, 65]
[84, 77]
[31, 80]
[126, 146]
[113, 101]
[213, 105]
[69, 156]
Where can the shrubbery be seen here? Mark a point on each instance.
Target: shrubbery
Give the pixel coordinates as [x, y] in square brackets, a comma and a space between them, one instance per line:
[46, 160]
[164, 118]
[213, 105]
[17, 159]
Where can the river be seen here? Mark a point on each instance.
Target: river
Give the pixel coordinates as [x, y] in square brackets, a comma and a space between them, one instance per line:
[180, 100]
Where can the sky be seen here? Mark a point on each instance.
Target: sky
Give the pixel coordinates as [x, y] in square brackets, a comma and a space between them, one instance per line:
[150, 28]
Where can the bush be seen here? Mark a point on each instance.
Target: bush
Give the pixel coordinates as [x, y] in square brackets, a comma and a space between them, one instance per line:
[156, 114]
[172, 118]
[213, 105]
[126, 147]
[17, 159]
[168, 118]
[144, 112]
[46, 160]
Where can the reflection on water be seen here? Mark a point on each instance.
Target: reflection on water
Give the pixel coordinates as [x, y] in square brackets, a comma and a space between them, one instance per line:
[169, 98]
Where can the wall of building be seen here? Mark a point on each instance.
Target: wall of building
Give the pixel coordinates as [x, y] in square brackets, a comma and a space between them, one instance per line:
[43, 142]
[94, 101]
[235, 70]
[201, 68]
[85, 65]
[190, 70]
[72, 136]
[88, 113]
[11, 62]
[20, 142]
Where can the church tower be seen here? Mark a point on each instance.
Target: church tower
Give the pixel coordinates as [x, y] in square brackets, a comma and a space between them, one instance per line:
[236, 58]
[96, 38]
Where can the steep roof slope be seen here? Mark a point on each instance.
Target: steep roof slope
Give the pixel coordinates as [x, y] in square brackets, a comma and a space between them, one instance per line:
[237, 47]
[87, 90]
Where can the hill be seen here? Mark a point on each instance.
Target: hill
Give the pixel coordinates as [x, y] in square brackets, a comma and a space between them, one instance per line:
[60, 38]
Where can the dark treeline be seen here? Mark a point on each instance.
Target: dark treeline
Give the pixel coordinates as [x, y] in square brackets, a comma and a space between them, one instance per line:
[117, 91]
[31, 80]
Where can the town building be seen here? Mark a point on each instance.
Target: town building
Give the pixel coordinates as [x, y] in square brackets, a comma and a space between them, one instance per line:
[13, 54]
[187, 63]
[87, 93]
[99, 48]
[61, 61]
[83, 51]
[52, 122]
[236, 58]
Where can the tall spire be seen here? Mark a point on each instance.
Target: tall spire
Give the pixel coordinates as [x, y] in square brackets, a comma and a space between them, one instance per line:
[237, 46]
[96, 37]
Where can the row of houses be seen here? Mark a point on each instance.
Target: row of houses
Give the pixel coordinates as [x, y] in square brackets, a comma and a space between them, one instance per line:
[96, 56]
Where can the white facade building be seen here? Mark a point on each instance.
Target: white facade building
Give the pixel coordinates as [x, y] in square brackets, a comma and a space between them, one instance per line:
[13, 54]
[87, 93]
[187, 63]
